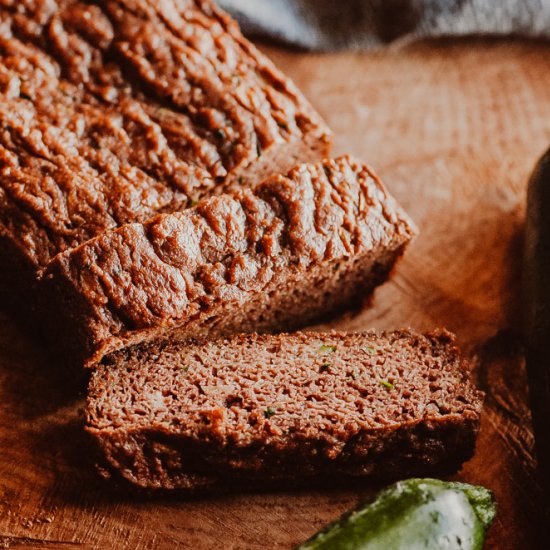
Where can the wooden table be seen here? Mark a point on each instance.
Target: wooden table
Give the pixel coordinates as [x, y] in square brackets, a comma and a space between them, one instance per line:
[454, 129]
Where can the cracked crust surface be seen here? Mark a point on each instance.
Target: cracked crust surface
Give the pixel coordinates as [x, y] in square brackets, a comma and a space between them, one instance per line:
[114, 111]
[295, 249]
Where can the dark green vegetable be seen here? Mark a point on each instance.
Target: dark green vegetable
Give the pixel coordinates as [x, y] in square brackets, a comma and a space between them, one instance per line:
[536, 308]
[324, 367]
[416, 514]
[324, 348]
[387, 385]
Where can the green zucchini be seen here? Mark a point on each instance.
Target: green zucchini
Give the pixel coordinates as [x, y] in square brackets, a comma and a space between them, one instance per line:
[536, 323]
[412, 515]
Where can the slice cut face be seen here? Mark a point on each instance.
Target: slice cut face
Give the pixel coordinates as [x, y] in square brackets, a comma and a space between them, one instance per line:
[284, 407]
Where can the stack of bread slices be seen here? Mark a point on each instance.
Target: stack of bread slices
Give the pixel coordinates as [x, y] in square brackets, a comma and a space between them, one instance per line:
[170, 212]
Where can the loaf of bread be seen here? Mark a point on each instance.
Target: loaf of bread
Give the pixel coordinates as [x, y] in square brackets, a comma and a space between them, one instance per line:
[295, 250]
[162, 188]
[114, 111]
[284, 407]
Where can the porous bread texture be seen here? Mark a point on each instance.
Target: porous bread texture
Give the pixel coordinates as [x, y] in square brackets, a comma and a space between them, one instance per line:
[288, 406]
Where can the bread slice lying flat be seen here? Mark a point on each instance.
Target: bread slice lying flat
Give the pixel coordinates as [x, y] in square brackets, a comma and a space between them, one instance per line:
[284, 407]
[295, 250]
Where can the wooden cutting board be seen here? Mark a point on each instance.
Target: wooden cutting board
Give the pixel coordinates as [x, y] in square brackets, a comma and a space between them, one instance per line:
[454, 129]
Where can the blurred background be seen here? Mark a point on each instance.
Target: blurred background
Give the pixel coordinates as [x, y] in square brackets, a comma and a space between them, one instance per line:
[361, 24]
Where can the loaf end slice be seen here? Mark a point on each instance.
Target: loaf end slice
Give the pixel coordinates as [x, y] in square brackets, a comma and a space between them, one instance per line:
[296, 250]
[297, 407]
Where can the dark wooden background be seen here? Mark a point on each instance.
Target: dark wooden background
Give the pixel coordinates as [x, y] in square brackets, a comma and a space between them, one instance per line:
[453, 128]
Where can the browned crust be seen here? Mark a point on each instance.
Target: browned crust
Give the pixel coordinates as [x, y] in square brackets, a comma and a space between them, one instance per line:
[419, 449]
[156, 105]
[180, 271]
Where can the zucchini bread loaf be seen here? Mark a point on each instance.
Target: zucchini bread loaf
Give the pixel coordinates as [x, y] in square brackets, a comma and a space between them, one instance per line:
[295, 250]
[276, 407]
[114, 111]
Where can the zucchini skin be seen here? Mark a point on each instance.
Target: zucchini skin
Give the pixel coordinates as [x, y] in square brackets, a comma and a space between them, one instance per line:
[536, 318]
[416, 514]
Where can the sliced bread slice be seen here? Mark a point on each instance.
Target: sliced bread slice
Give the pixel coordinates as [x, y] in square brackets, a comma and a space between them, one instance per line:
[284, 407]
[295, 250]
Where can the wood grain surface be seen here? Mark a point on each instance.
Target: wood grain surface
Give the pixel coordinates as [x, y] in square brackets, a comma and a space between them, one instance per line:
[454, 129]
